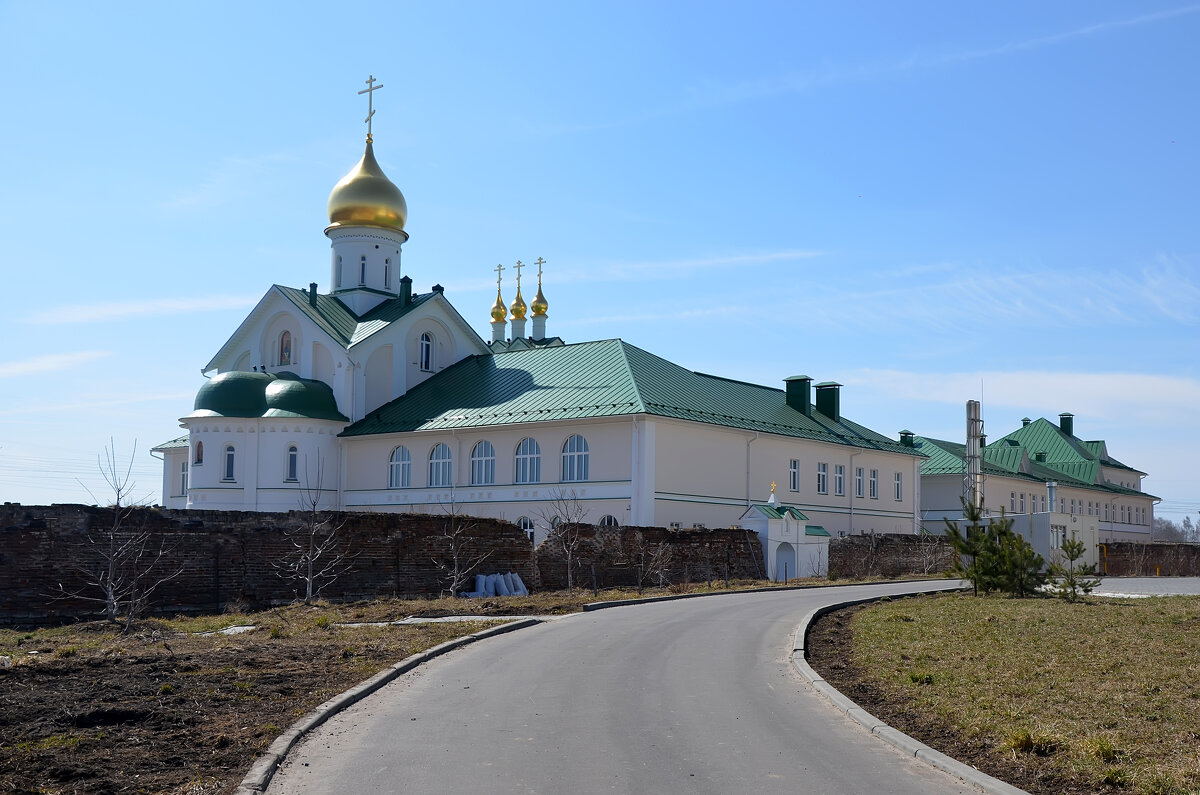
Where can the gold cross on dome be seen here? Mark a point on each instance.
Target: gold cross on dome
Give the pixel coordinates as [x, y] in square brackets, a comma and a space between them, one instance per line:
[519, 266]
[370, 105]
[499, 268]
[540, 262]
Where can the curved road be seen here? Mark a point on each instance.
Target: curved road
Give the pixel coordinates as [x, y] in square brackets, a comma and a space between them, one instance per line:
[696, 695]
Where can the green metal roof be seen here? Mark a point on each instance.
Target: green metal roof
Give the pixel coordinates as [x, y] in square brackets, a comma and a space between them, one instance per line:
[815, 530]
[343, 325]
[174, 444]
[600, 379]
[241, 394]
[779, 511]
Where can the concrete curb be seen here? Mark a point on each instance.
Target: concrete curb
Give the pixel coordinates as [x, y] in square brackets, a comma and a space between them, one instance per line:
[590, 606]
[264, 767]
[912, 747]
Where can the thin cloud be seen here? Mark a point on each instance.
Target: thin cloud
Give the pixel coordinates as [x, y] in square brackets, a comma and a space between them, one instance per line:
[50, 363]
[229, 178]
[148, 307]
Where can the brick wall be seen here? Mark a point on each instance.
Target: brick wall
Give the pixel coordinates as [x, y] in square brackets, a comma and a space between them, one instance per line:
[667, 556]
[1130, 558]
[226, 557]
[889, 555]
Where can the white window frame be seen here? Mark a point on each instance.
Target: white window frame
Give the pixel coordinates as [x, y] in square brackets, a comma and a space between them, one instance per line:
[441, 466]
[230, 471]
[400, 468]
[898, 482]
[527, 461]
[292, 464]
[425, 353]
[839, 480]
[183, 478]
[526, 524]
[794, 475]
[873, 483]
[608, 520]
[858, 482]
[576, 456]
[822, 477]
[483, 463]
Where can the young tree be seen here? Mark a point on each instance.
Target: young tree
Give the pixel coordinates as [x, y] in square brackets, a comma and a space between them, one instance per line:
[1073, 579]
[458, 564]
[972, 558]
[317, 555]
[564, 513]
[1020, 571]
[992, 557]
[122, 564]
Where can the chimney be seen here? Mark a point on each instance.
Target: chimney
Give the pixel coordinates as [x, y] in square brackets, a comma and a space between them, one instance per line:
[829, 400]
[1066, 423]
[437, 288]
[983, 440]
[906, 438]
[405, 291]
[1025, 422]
[1050, 487]
[312, 293]
[798, 393]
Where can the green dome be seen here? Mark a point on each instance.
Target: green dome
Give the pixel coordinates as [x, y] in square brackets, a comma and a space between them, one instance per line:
[291, 396]
[286, 395]
[233, 394]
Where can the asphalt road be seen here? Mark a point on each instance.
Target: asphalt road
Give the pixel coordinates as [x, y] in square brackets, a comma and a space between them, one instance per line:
[695, 696]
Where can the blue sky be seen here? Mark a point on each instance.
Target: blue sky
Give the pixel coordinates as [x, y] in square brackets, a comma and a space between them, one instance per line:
[927, 202]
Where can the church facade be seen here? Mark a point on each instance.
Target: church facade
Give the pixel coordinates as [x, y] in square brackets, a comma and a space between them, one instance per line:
[374, 397]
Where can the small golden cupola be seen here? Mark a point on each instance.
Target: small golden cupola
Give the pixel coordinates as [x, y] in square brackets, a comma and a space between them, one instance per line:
[499, 313]
[539, 306]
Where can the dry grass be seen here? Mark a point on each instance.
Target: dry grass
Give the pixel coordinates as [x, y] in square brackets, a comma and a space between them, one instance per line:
[1097, 695]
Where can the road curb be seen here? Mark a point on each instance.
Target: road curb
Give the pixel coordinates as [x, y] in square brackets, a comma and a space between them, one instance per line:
[590, 606]
[264, 767]
[894, 737]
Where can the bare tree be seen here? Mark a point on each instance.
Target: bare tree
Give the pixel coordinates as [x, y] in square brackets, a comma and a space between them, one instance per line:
[122, 565]
[459, 563]
[317, 555]
[564, 514]
[931, 550]
[658, 564]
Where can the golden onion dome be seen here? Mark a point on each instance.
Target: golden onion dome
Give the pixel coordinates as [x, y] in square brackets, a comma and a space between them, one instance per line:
[539, 305]
[498, 310]
[518, 307]
[366, 197]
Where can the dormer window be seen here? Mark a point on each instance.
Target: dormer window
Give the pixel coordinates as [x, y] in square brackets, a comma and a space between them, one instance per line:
[426, 354]
[285, 348]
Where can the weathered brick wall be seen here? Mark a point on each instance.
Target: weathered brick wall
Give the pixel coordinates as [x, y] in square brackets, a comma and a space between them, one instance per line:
[667, 556]
[1129, 558]
[227, 557]
[889, 555]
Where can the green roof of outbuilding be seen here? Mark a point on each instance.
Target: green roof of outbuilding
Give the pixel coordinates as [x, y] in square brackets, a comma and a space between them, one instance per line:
[778, 511]
[816, 530]
[600, 379]
[174, 444]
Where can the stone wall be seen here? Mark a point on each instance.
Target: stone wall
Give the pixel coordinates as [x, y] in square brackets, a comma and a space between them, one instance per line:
[618, 555]
[889, 555]
[1130, 558]
[227, 558]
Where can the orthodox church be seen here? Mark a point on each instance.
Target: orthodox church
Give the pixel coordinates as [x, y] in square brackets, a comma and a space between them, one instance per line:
[372, 396]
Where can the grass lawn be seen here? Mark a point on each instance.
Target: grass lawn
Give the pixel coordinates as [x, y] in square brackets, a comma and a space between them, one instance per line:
[1054, 697]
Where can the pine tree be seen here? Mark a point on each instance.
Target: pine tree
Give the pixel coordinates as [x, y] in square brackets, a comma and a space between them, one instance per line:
[1073, 580]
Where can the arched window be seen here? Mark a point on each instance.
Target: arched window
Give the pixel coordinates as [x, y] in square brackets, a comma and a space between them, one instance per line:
[285, 348]
[387, 273]
[293, 456]
[426, 352]
[441, 466]
[526, 524]
[575, 459]
[338, 272]
[199, 459]
[529, 462]
[483, 464]
[400, 469]
[229, 460]
[609, 521]
[362, 270]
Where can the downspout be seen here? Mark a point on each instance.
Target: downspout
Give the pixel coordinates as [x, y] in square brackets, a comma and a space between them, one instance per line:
[852, 489]
[748, 443]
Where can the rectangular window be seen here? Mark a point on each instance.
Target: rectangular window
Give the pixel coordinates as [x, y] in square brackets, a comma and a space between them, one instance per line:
[874, 484]
[1022, 503]
[858, 482]
[1072, 505]
[839, 480]
[1012, 502]
[1062, 504]
[1058, 534]
[362, 270]
[899, 485]
[794, 475]
[183, 479]
[822, 478]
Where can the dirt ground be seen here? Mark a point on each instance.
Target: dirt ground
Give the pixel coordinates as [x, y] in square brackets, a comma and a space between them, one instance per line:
[829, 654]
[164, 712]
